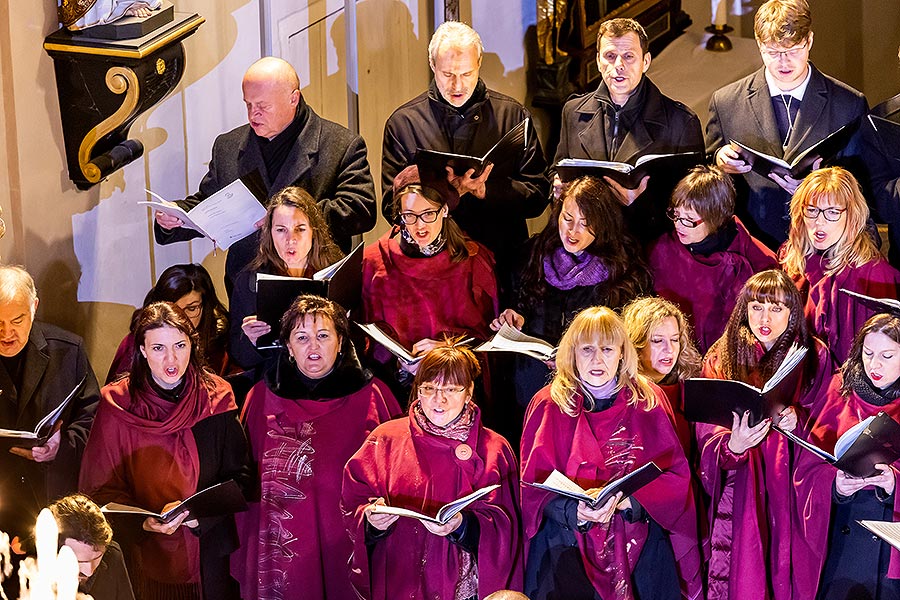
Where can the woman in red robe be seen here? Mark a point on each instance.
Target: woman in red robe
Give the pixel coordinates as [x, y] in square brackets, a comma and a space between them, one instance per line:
[440, 453]
[597, 421]
[829, 248]
[835, 558]
[311, 412]
[746, 470]
[162, 433]
[429, 280]
[702, 264]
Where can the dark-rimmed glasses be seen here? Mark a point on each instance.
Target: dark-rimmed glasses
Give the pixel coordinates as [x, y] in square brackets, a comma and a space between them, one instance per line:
[831, 213]
[673, 216]
[428, 216]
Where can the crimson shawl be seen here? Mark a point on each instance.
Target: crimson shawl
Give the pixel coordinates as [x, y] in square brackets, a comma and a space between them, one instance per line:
[593, 448]
[414, 469]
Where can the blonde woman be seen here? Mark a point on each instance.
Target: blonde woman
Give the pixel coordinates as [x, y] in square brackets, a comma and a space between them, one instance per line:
[829, 248]
[598, 420]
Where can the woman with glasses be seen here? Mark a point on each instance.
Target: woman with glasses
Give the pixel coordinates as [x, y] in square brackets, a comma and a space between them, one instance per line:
[294, 241]
[425, 279]
[599, 420]
[746, 470]
[162, 433]
[830, 248]
[836, 558]
[440, 453]
[585, 256]
[702, 264]
[191, 288]
[312, 411]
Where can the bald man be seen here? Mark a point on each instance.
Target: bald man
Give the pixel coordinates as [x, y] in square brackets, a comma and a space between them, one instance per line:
[285, 143]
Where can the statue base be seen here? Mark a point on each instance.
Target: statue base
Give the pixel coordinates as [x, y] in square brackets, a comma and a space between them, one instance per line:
[129, 28]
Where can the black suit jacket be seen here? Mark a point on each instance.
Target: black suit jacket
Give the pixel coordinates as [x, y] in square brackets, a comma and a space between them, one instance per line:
[328, 161]
[883, 164]
[664, 126]
[54, 362]
[743, 111]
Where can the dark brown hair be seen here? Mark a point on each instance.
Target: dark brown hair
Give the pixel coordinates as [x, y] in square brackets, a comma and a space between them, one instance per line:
[456, 239]
[615, 28]
[155, 316]
[853, 369]
[447, 363]
[313, 305]
[710, 192]
[324, 251]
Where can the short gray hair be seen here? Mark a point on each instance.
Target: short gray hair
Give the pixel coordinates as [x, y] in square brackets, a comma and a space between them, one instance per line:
[15, 283]
[453, 34]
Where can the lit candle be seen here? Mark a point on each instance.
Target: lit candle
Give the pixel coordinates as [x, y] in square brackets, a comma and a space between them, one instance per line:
[720, 13]
[67, 574]
[46, 533]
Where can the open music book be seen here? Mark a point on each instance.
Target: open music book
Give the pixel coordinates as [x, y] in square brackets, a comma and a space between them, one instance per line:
[225, 217]
[714, 400]
[876, 305]
[340, 282]
[445, 513]
[889, 531]
[887, 131]
[503, 156]
[44, 428]
[510, 339]
[215, 501]
[826, 148]
[560, 484]
[874, 440]
[673, 166]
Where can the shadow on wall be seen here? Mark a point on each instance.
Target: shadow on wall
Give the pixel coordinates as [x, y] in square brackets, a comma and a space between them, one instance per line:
[57, 286]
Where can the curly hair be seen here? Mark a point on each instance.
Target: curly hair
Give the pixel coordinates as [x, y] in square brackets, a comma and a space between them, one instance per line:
[644, 315]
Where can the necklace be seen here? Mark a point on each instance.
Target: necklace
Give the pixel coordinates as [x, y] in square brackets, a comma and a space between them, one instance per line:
[787, 108]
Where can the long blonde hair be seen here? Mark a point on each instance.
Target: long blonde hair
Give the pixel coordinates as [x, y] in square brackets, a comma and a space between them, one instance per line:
[597, 325]
[855, 247]
[643, 315]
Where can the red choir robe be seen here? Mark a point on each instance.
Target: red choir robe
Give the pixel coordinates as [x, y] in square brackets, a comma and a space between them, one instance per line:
[705, 287]
[594, 448]
[294, 544]
[142, 452]
[834, 316]
[411, 468]
[424, 297]
[814, 479]
[751, 497]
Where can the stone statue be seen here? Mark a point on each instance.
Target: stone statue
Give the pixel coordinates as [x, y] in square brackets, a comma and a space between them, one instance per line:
[81, 14]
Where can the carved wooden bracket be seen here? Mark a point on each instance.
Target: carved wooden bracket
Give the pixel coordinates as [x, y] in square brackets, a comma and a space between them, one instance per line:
[104, 85]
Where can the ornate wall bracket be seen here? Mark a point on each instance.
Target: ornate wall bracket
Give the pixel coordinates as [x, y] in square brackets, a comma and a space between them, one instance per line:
[104, 85]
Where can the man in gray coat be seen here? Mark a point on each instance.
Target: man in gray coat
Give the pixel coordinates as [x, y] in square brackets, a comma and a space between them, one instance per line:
[285, 143]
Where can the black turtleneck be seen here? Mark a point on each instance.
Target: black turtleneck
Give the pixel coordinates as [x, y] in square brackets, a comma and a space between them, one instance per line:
[275, 151]
[345, 378]
[169, 395]
[718, 241]
[620, 119]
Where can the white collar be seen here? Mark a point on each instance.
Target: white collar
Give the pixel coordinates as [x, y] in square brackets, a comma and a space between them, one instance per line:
[798, 92]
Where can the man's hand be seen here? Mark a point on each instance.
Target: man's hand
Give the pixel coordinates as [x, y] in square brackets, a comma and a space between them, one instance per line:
[627, 196]
[167, 221]
[45, 453]
[786, 182]
[728, 158]
[467, 184]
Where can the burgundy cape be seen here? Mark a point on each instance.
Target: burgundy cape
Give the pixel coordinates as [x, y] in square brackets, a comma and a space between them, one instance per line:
[835, 317]
[705, 287]
[593, 448]
[142, 452]
[423, 297]
[752, 499]
[293, 541]
[413, 469]
[814, 478]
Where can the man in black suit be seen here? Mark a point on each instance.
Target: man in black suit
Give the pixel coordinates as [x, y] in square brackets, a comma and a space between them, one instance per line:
[627, 117]
[285, 143]
[781, 110]
[40, 365]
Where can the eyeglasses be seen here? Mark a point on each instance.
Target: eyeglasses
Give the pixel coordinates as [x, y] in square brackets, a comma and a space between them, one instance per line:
[430, 391]
[673, 216]
[428, 216]
[193, 309]
[831, 213]
[791, 53]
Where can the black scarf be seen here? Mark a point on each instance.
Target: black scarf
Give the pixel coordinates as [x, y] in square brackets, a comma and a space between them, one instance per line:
[275, 151]
[346, 377]
[857, 381]
[718, 241]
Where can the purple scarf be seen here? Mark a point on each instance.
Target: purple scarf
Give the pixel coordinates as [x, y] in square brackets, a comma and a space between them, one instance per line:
[564, 271]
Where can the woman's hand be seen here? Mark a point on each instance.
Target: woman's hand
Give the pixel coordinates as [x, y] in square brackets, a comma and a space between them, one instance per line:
[599, 515]
[379, 521]
[156, 526]
[787, 419]
[510, 317]
[443, 530]
[744, 437]
[254, 329]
